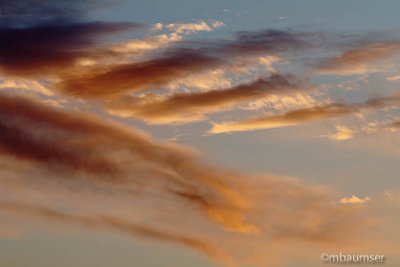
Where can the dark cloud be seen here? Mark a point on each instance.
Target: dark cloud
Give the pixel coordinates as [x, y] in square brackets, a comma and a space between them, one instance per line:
[53, 39]
[23, 13]
[268, 41]
[46, 49]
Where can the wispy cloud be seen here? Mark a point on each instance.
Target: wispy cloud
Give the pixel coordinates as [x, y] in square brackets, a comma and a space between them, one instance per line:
[393, 78]
[302, 116]
[189, 28]
[176, 33]
[99, 82]
[343, 133]
[100, 221]
[182, 107]
[360, 60]
[354, 200]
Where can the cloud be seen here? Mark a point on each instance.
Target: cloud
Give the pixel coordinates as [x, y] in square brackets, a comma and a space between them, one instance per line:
[163, 40]
[393, 78]
[157, 27]
[45, 49]
[218, 24]
[68, 168]
[38, 134]
[302, 116]
[26, 12]
[46, 156]
[354, 200]
[41, 38]
[359, 60]
[343, 133]
[271, 41]
[181, 107]
[395, 124]
[101, 221]
[145, 45]
[207, 80]
[389, 194]
[190, 28]
[380, 127]
[101, 82]
[282, 103]
[22, 85]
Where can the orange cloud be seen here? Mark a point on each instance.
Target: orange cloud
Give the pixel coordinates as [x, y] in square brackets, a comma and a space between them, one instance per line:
[343, 133]
[45, 152]
[100, 82]
[354, 200]
[75, 143]
[396, 124]
[359, 60]
[301, 116]
[181, 107]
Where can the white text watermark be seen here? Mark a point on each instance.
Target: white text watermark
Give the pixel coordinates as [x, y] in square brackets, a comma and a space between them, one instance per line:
[352, 258]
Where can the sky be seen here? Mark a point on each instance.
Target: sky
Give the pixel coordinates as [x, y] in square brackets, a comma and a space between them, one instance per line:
[198, 133]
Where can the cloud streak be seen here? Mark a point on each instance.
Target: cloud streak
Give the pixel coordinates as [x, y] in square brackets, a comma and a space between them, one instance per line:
[131, 77]
[359, 60]
[343, 133]
[189, 28]
[181, 107]
[302, 116]
[101, 221]
[354, 200]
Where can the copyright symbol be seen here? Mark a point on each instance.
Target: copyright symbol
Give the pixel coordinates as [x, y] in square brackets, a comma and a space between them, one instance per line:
[324, 257]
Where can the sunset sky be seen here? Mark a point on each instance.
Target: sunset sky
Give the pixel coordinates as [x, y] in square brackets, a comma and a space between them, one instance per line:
[198, 133]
